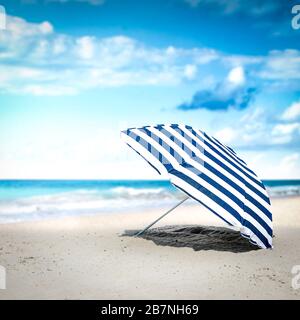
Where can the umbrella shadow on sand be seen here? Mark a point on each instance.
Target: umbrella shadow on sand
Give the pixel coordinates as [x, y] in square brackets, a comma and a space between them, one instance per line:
[197, 237]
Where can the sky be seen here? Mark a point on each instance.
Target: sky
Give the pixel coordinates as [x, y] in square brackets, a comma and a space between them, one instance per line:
[73, 73]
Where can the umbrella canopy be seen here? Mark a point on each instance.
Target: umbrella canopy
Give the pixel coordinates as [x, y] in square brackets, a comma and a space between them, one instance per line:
[209, 172]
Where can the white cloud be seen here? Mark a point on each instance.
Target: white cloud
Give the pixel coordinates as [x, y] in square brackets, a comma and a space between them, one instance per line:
[59, 45]
[252, 116]
[292, 112]
[284, 129]
[290, 160]
[226, 135]
[280, 139]
[273, 165]
[249, 7]
[64, 64]
[283, 65]
[284, 133]
[255, 130]
[39, 90]
[19, 27]
[205, 55]
[236, 76]
[85, 47]
[288, 167]
[190, 71]
[92, 2]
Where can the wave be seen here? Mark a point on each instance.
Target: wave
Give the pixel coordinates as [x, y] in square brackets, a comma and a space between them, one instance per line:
[95, 201]
[283, 191]
[135, 193]
[82, 202]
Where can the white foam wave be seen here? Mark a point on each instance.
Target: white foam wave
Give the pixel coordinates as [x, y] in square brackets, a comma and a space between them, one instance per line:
[285, 191]
[117, 199]
[83, 202]
[134, 193]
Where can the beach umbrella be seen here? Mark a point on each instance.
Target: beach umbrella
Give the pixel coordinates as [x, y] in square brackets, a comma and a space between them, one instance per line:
[209, 172]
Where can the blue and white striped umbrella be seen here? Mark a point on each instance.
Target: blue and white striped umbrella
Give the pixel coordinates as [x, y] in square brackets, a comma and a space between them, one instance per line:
[209, 172]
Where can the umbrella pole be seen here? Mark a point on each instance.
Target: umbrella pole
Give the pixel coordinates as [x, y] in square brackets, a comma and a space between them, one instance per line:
[151, 224]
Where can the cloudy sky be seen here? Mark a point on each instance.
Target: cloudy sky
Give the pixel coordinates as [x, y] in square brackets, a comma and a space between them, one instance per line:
[73, 73]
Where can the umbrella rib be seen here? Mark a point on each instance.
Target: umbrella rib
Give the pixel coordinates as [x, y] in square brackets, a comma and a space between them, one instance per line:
[154, 222]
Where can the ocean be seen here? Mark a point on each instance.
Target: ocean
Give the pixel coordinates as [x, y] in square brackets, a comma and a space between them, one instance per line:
[26, 200]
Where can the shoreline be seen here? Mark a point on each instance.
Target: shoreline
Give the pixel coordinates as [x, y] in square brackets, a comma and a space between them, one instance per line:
[84, 257]
[134, 210]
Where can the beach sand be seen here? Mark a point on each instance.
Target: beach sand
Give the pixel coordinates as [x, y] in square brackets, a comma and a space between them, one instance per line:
[86, 258]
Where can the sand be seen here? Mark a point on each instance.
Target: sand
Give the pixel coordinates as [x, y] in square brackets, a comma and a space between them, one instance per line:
[87, 258]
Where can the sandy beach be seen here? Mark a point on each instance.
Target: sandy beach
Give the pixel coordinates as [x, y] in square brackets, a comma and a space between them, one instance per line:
[86, 258]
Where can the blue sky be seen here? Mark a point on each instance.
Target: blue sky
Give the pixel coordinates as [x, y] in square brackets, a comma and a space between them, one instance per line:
[73, 73]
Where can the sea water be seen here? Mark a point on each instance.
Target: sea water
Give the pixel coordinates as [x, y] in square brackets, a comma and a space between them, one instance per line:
[23, 200]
